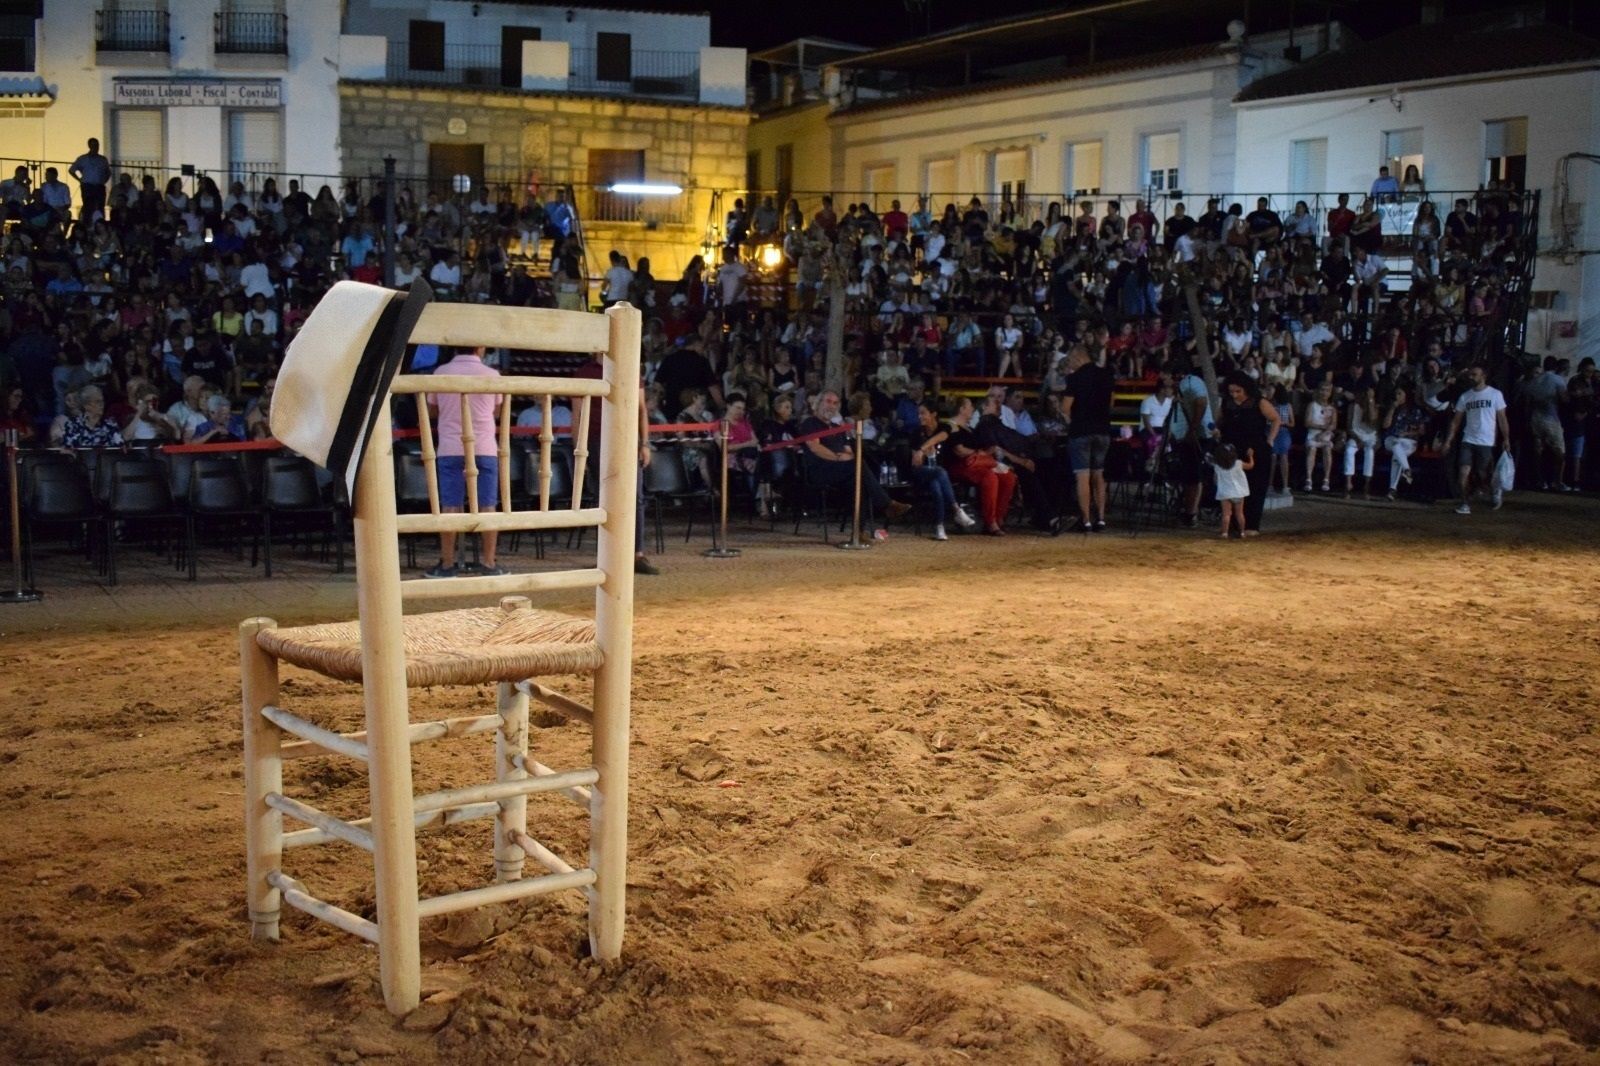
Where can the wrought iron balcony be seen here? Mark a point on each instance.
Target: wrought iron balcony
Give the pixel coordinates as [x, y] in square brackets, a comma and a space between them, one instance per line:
[122, 30]
[252, 33]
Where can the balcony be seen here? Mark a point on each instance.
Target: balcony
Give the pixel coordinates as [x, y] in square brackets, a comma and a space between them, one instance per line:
[656, 74]
[121, 30]
[252, 33]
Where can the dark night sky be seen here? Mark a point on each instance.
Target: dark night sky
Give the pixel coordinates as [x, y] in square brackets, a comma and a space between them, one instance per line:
[759, 24]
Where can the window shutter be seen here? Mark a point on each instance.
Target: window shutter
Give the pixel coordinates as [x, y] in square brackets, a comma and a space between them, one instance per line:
[138, 138]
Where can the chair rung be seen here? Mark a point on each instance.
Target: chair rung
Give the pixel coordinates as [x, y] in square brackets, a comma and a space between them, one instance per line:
[423, 588]
[296, 896]
[448, 816]
[334, 827]
[501, 386]
[499, 521]
[422, 731]
[539, 853]
[529, 765]
[315, 735]
[499, 790]
[503, 893]
[468, 325]
[554, 700]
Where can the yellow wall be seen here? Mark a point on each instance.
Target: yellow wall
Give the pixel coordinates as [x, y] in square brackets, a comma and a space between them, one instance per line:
[806, 128]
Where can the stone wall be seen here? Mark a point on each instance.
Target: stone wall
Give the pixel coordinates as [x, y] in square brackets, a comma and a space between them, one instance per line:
[547, 137]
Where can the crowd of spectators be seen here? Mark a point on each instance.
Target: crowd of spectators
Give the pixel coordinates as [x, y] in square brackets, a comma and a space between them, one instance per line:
[160, 314]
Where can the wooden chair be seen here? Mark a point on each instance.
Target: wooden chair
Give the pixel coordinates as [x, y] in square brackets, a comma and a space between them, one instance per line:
[509, 644]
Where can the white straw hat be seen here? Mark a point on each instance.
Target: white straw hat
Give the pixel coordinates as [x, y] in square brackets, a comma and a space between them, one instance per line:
[342, 360]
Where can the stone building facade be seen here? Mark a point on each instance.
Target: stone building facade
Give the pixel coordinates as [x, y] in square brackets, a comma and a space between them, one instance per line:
[520, 139]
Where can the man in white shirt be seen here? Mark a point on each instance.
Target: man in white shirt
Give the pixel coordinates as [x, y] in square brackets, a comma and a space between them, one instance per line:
[532, 416]
[56, 193]
[256, 280]
[1479, 420]
[732, 277]
[1312, 334]
[618, 278]
[446, 273]
[1014, 414]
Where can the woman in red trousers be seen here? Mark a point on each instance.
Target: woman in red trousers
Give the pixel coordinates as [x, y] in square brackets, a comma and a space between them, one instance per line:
[967, 462]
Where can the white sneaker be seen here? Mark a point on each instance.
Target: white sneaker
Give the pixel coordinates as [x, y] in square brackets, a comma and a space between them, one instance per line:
[939, 533]
[1495, 501]
[1464, 508]
[963, 519]
[880, 534]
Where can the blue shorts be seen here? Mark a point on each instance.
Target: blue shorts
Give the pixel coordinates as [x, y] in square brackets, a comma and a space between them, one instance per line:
[453, 481]
[1088, 452]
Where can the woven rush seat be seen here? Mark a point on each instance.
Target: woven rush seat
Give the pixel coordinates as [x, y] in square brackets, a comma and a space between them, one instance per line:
[474, 646]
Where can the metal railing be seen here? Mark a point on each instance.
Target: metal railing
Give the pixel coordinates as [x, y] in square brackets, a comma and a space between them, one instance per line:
[460, 64]
[647, 73]
[252, 33]
[122, 30]
[665, 75]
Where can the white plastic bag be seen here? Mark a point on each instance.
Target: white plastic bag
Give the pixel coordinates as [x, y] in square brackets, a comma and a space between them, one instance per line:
[1505, 472]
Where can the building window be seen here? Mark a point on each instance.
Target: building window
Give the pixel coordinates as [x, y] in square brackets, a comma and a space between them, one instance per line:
[1008, 170]
[1402, 149]
[1308, 166]
[138, 139]
[1160, 154]
[939, 183]
[752, 171]
[255, 146]
[425, 47]
[1083, 168]
[511, 40]
[877, 181]
[784, 178]
[1505, 151]
[613, 57]
[16, 43]
[252, 27]
[607, 166]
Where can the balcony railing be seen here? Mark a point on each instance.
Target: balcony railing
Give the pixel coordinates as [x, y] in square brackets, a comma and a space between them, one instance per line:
[252, 33]
[644, 73]
[667, 75]
[121, 30]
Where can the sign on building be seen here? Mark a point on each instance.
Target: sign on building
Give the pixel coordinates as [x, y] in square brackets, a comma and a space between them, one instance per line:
[192, 93]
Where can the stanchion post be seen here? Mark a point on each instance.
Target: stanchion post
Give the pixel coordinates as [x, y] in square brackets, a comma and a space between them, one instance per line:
[720, 549]
[855, 543]
[18, 592]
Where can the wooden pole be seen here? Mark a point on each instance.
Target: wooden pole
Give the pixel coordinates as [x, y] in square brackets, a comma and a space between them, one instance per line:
[263, 776]
[383, 667]
[619, 479]
[469, 460]
[720, 549]
[503, 452]
[19, 592]
[580, 451]
[855, 543]
[1202, 349]
[547, 435]
[430, 459]
[510, 742]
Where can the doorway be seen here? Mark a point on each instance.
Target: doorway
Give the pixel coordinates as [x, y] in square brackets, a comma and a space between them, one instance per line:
[447, 162]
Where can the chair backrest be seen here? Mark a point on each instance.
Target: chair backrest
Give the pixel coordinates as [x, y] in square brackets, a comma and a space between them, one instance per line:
[57, 490]
[666, 474]
[410, 479]
[216, 483]
[138, 486]
[613, 398]
[289, 483]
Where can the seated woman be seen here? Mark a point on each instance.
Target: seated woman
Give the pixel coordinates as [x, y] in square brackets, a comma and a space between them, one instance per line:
[778, 465]
[1322, 418]
[967, 462]
[219, 425]
[932, 478]
[744, 451]
[1361, 434]
[1403, 425]
[89, 428]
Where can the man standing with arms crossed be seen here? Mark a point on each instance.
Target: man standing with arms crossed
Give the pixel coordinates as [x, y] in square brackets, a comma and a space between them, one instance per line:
[1480, 417]
[92, 171]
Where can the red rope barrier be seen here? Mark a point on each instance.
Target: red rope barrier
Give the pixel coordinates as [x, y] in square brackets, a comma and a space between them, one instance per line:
[832, 431]
[270, 444]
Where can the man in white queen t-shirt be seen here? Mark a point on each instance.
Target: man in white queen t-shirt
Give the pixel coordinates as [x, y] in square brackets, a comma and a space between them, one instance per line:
[1480, 419]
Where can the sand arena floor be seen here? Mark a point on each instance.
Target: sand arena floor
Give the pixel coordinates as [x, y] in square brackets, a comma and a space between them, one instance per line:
[1327, 797]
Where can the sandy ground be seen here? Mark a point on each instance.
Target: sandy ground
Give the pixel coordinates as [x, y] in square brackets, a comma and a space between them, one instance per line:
[1327, 797]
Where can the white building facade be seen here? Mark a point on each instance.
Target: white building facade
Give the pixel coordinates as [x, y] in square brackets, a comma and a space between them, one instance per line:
[1459, 133]
[232, 88]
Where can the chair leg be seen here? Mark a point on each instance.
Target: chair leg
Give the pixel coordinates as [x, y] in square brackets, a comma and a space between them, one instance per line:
[190, 547]
[266, 543]
[510, 740]
[263, 774]
[111, 551]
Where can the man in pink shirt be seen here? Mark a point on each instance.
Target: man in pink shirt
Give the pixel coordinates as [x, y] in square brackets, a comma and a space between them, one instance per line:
[446, 410]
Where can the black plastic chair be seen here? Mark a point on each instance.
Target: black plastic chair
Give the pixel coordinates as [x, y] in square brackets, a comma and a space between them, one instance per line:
[136, 490]
[54, 489]
[289, 488]
[667, 478]
[216, 490]
[821, 496]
